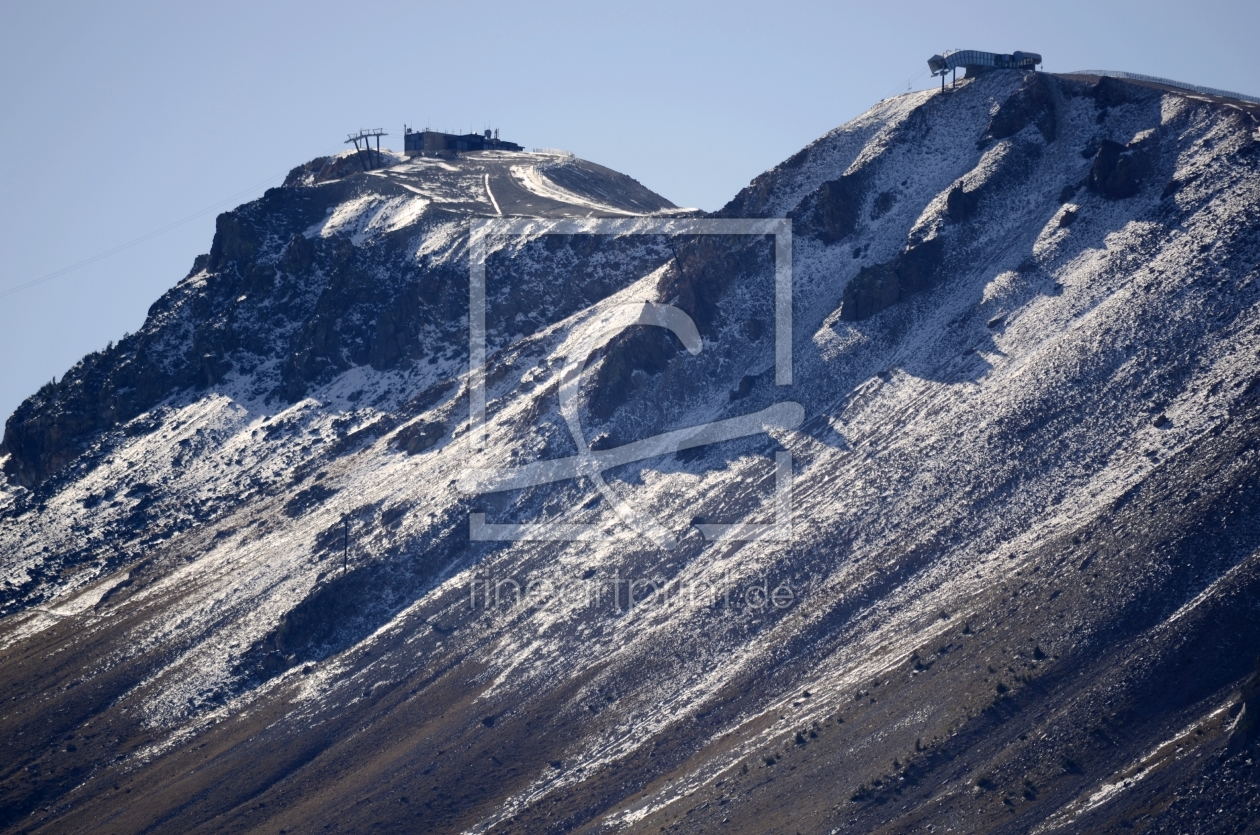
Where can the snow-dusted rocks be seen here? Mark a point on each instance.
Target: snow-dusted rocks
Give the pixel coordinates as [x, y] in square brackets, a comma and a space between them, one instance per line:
[1020, 586]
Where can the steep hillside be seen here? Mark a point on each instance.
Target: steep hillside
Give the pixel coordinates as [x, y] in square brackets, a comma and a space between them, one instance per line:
[245, 591]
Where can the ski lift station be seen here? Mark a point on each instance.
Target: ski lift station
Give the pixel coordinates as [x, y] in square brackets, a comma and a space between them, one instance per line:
[422, 142]
[975, 62]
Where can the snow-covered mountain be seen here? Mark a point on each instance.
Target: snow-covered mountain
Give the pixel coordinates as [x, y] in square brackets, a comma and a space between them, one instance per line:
[245, 589]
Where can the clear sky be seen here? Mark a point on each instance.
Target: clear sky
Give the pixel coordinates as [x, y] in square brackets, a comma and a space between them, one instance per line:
[123, 118]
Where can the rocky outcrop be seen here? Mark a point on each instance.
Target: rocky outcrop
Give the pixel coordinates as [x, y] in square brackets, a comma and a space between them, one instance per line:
[193, 337]
[1032, 104]
[1114, 92]
[698, 280]
[417, 437]
[1119, 171]
[960, 204]
[881, 286]
[327, 169]
[838, 206]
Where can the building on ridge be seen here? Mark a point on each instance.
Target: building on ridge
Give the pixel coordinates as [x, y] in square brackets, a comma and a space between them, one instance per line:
[975, 62]
[432, 143]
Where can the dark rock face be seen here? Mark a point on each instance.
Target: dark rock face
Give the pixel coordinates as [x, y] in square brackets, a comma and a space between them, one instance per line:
[705, 269]
[961, 205]
[1114, 92]
[874, 289]
[1118, 171]
[698, 281]
[646, 350]
[418, 437]
[1032, 104]
[306, 499]
[838, 207]
[883, 204]
[883, 285]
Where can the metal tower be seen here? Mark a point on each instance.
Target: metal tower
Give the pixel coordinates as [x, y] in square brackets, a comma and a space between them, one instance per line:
[365, 153]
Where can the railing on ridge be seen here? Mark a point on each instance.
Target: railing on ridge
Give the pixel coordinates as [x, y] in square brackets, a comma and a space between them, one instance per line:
[1194, 88]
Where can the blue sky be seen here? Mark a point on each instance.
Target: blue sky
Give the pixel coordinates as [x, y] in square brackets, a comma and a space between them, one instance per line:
[122, 119]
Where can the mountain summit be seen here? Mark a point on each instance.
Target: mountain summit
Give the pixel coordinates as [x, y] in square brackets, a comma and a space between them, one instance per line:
[243, 590]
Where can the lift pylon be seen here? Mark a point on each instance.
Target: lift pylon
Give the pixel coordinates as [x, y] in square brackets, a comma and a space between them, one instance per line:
[365, 136]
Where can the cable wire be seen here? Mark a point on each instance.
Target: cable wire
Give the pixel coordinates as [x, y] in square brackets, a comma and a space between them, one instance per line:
[33, 282]
[908, 83]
